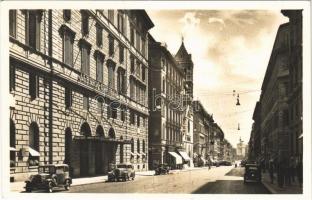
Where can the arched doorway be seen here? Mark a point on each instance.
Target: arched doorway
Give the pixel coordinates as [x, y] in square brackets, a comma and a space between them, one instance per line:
[111, 149]
[68, 146]
[84, 159]
[99, 157]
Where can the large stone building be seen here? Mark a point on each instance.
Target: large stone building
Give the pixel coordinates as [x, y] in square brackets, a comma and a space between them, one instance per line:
[295, 82]
[166, 91]
[78, 84]
[278, 114]
[273, 99]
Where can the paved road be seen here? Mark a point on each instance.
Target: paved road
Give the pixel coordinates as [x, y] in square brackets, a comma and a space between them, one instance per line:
[220, 180]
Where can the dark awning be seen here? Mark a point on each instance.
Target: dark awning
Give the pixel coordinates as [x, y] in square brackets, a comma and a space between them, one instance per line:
[102, 139]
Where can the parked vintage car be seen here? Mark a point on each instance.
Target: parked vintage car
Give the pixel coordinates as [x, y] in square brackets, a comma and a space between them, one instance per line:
[162, 169]
[252, 173]
[225, 163]
[48, 177]
[121, 172]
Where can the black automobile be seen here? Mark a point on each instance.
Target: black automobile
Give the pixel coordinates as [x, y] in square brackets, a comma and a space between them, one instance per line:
[162, 169]
[123, 171]
[225, 163]
[252, 173]
[48, 177]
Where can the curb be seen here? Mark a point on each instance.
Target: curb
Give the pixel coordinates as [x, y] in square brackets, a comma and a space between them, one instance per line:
[267, 186]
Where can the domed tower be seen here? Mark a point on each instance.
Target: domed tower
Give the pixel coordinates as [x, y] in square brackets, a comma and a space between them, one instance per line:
[185, 63]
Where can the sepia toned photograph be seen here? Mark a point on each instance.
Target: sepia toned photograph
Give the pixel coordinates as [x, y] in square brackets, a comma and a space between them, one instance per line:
[156, 100]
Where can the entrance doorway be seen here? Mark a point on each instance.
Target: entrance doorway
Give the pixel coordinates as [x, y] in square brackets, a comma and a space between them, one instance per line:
[111, 149]
[99, 156]
[84, 150]
[68, 145]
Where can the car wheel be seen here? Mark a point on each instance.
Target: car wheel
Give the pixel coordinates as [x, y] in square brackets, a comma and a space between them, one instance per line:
[50, 187]
[67, 185]
[28, 189]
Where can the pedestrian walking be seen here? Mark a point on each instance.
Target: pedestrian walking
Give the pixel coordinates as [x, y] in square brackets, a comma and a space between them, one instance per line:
[281, 173]
[292, 169]
[299, 172]
[287, 173]
[271, 170]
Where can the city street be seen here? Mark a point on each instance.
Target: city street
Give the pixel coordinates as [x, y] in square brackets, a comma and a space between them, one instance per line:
[220, 180]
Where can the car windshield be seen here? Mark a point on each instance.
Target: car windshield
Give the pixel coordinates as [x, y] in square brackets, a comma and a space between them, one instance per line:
[46, 169]
[121, 166]
[252, 168]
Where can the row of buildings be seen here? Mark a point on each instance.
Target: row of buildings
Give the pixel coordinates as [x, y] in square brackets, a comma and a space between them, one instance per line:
[277, 129]
[208, 140]
[91, 88]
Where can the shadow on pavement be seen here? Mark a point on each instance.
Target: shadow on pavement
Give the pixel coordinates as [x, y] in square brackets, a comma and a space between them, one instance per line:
[236, 172]
[231, 187]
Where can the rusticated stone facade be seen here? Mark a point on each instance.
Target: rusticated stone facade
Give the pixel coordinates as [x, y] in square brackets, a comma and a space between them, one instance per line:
[78, 85]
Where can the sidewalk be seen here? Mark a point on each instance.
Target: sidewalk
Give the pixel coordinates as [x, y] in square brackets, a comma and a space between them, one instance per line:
[19, 186]
[275, 189]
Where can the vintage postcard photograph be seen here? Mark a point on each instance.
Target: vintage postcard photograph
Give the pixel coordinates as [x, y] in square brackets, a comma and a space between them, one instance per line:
[156, 98]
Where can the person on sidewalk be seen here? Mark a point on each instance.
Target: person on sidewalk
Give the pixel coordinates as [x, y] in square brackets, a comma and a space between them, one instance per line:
[299, 171]
[287, 173]
[292, 169]
[281, 173]
[271, 170]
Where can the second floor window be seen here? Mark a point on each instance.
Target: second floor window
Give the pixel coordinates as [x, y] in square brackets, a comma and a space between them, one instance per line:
[143, 73]
[121, 53]
[111, 75]
[120, 23]
[121, 81]
[68, 41]
[33, 86]
[85, 102]
[99, 67]
[84, 23]
[111, 46]
[132, 64]
[85, 59]
[33, 26]
[132, 35]
[66, 15]
[68, 98]
[99, 36]
[12, 21]
[111, 16]
[132, 117]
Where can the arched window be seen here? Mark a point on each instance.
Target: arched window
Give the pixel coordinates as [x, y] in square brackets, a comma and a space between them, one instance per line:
[34, 136]
[138, 146]
[111, 133]
[33, 144]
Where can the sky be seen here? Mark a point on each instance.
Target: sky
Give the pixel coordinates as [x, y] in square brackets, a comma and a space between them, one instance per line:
[230, 51]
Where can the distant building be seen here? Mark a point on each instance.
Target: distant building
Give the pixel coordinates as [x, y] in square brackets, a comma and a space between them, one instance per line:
[166, 108]
[240, 150]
